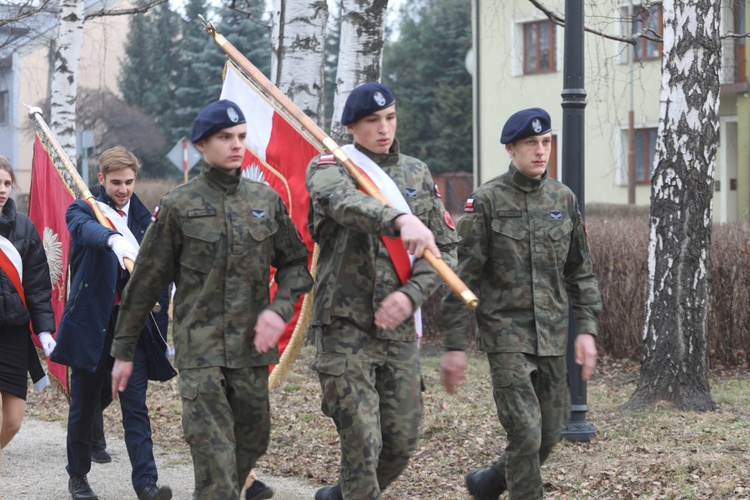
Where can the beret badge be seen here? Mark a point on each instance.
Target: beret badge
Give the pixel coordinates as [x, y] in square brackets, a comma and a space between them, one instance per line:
[232, 114]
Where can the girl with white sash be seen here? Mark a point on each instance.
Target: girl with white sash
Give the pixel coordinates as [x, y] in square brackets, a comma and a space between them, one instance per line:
[25, 292]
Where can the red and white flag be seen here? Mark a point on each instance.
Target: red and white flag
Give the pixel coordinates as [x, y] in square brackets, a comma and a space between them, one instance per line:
[49, 199]
[276, 154]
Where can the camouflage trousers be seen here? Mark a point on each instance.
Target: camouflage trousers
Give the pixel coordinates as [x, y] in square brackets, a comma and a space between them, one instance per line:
[226, 421]
[533, 405]
[371, 389]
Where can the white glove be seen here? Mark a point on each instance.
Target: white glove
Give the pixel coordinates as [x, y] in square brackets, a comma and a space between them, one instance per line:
[122, 248]
[48, 343]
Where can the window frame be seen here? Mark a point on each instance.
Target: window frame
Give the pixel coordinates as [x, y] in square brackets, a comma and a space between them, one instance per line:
[644, 163]
[641, 14]
[4, 107]
[551, 49]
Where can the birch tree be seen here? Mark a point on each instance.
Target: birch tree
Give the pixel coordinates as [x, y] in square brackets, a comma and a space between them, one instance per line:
[67, 54]
[360, 53]
[674, 366]
[675, 362]
[298, 44]
[64, 84]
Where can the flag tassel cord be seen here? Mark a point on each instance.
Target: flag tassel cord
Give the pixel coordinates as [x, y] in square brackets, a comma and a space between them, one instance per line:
[35, 114]
[310, 130]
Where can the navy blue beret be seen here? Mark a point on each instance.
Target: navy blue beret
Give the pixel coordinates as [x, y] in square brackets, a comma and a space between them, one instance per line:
[366, 100]
[526, 123]
[214, 117]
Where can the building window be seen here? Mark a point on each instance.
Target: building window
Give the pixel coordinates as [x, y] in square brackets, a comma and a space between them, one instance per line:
[647, 19]
[645, 149]
[4, 107]
[538, 47]
[739, 47]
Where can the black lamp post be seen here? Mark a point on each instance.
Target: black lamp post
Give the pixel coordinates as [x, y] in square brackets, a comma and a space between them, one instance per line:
[573, 104]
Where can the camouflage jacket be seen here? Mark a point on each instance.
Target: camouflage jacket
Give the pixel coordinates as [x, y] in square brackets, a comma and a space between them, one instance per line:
[354, 270]
[524, 251]
[215, 238]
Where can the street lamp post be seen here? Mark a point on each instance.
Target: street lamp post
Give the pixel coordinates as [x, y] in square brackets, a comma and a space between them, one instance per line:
[573, 104]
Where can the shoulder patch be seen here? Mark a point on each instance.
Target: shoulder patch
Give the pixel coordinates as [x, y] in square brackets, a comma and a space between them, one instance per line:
[155, 214]
[326, 160]
[437, 191]
[449, 220]
[469, 207]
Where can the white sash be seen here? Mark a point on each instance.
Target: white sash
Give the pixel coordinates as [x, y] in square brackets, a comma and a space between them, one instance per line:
[12, 253]
[120, 223]
[392, 193]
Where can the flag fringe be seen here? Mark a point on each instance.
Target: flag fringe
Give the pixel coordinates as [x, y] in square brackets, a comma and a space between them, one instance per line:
[43, 142]
[294, 347]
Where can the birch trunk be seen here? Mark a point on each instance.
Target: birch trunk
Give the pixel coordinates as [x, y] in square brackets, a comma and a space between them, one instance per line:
[675, 362]
[298, 40]
[360, 54]
[64, 85]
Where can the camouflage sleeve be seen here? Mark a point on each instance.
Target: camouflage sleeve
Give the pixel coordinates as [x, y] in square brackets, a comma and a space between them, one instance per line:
[473, 253]
[424, 280]
[154, 270]
[581, 283]
[292, 277]
[334, 193]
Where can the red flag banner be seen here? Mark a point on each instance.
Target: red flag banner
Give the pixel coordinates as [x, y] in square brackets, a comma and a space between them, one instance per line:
[48, 201]
[278, 155]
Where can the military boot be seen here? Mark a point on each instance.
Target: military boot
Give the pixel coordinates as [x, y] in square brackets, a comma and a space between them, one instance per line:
[485, 484]
[258, 491]
[329, 493]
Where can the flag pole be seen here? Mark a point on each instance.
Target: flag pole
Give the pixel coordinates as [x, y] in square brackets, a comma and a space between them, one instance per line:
[35, 114]
[291, 113]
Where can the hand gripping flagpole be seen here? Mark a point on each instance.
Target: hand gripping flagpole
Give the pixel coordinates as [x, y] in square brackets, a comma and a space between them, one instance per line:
[310, 130]
[36, 114]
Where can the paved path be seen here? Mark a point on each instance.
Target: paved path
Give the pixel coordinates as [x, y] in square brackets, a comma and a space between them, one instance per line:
[33, 468]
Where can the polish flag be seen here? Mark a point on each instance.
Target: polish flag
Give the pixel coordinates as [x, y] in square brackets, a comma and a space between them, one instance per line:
[276, 154]
[48, 201]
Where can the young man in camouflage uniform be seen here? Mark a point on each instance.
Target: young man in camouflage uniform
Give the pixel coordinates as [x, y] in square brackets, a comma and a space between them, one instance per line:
[215, 238]
[367, 353]
[525, 251]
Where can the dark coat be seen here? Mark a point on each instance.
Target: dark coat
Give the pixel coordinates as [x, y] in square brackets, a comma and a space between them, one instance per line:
[20, 231]
[36, 282]
[95, 282]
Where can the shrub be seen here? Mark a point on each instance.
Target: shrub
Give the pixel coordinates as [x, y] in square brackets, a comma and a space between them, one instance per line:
[618, 236]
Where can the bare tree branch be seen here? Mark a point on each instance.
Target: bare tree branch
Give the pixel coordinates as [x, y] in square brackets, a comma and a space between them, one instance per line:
[126, 12]
[632, 40]
[736, 35]
[649, 34]
[14, 13]
[232, 5]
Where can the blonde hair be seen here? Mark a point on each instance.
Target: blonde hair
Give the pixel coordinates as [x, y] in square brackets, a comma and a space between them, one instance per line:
[5, 165]
[117, 158]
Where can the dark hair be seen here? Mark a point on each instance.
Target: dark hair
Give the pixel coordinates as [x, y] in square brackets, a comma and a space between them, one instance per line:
[5, 165]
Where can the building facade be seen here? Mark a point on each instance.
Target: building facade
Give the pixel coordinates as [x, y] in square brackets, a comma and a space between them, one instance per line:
[26, 70]
[519, 63]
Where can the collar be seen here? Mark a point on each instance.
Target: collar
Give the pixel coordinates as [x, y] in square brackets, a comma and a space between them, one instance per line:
[8, 217]
[388, 159]
[103, 196]
[126, 208]
[218, 178]
[524, 183]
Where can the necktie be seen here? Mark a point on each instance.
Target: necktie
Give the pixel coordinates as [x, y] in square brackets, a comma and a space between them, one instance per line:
[121, 212]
